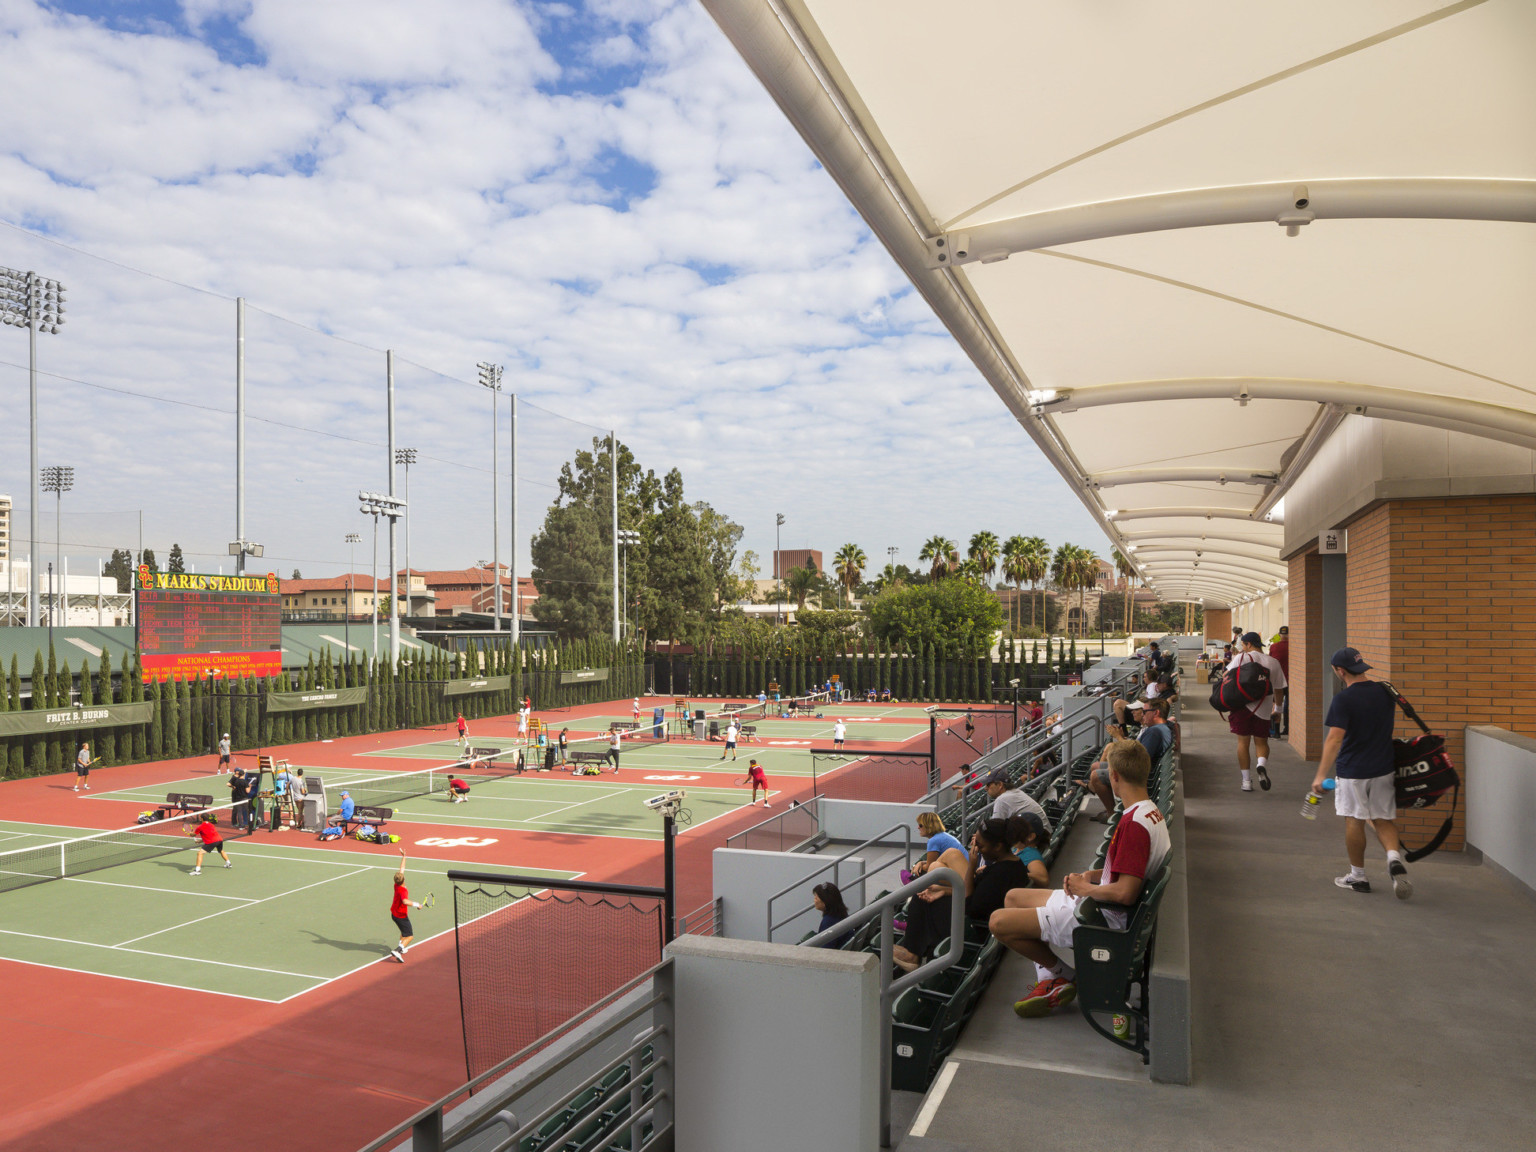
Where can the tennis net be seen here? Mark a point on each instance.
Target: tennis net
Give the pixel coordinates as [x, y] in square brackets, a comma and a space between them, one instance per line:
[22, 867]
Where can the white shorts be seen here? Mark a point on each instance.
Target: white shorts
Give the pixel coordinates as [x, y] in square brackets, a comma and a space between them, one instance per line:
[1374, 798]
[1058, 919]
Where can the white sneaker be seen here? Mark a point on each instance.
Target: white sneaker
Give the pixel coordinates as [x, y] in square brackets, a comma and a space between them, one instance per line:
[1247, 786]
[229, 863]
[76, 788]
[197, 872]
[1402, 887]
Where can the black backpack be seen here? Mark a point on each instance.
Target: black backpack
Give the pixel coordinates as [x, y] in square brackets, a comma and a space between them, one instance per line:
[1248, 683]
[1425, 772]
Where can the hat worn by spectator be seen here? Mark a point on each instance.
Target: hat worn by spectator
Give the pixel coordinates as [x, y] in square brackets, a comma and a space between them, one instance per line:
[1136, 705]
[998, 776]
[1253, 640]
[1349, 660]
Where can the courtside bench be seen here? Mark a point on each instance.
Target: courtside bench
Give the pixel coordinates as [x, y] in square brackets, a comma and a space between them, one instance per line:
[580, 759]
[361, 815]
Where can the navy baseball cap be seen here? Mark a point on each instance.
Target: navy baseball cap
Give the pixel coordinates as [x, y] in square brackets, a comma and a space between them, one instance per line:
[1349, 660]
[1253, 639]
[998, 776]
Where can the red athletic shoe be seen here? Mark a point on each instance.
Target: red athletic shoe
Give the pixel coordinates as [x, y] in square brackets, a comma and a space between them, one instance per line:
[1046, 996]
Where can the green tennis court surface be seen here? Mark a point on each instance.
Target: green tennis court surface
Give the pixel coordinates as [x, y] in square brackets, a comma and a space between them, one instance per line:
[546, 802]
[283, 921]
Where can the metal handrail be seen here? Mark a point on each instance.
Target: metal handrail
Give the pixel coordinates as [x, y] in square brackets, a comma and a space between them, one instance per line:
[885, 909]
[705, 920]
[1043, 739]
[428, 1125]
[906, 835]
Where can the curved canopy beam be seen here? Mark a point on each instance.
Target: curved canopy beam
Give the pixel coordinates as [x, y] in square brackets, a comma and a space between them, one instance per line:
[1180, 475]
[1158, 537]
[1117, 514]
[1291, 204]
[1258, 576]
[1194, 551]
[1451, 413]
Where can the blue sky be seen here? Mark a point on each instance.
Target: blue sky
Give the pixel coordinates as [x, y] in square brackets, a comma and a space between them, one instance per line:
[598, 196]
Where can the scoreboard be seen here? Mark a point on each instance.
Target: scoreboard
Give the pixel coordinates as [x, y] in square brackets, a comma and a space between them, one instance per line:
[189, 623]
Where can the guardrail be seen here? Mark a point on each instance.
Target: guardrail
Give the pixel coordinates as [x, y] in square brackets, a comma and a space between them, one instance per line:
[430, 1130]
[705, 920]
[832, 866]
[784, 831]
[885, 909]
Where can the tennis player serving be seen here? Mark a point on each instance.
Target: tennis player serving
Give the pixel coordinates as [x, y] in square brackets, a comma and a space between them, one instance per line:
[400, 911]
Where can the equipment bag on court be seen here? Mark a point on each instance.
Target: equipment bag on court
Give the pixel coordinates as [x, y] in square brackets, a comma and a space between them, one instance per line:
[1425, 772]
[1248, 683]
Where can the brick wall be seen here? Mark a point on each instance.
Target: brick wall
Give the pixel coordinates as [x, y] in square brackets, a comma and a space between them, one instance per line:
[1442, 601]
[1218, 624]
[1306, 620]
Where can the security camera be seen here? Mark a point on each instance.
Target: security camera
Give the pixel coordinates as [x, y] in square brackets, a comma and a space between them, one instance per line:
[666, 799]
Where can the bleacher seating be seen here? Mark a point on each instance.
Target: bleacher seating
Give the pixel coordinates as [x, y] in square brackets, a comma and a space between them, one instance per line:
[595, 1120]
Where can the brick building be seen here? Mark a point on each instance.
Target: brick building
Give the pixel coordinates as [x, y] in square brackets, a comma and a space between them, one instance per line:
[459, 590]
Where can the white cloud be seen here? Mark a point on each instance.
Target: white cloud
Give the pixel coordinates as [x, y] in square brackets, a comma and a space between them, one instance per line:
[661, 255]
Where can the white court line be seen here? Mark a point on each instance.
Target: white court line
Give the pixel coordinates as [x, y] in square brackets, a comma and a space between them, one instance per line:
[578, 804]
[173, 891]
[142, 980]
[162, 955]
[226, 911]
[931, 1102]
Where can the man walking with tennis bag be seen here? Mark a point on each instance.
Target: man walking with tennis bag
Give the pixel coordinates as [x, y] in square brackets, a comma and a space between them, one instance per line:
[1359, 750]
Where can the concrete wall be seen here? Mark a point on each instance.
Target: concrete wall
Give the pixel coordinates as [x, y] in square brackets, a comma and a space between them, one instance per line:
[777, 1047]
[859, 820]
[745, 878]
[1500, 800]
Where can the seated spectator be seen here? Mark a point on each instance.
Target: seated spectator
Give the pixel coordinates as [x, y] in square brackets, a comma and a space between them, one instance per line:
[929, 824]
[829, 902]
[347, 807]
[991, 871]
[1155, 736]
[1154, 686]
[1007, 801]
[1034, 920]
[1028, 834]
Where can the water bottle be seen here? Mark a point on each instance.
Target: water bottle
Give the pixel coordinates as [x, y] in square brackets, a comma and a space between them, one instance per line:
[1309, 805]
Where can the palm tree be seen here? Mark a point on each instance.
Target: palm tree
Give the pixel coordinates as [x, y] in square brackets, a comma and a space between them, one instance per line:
[1014, 569]
[1035, 564]
[983, 551]
[849, 566]
[1086, 569]
[1127, 571]
[800, 583]
[942, 555]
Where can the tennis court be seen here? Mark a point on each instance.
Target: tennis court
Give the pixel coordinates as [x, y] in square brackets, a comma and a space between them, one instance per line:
[285, 920]
[606, 805]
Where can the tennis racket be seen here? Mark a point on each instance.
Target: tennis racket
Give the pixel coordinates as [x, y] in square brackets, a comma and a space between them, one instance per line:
[429, 900]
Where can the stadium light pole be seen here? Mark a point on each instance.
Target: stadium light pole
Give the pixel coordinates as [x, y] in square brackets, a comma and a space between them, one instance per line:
[517, 600]
[613, 477]
[376, 504]
[628, 538]
[29, 301]
[58, 480]
[353, 540]
[407, 457]
[778, 578]
[490, 377]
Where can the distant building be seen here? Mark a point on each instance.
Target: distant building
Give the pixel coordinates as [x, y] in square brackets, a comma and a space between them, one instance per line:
[350, 594]
[789, 558]
[460, 590]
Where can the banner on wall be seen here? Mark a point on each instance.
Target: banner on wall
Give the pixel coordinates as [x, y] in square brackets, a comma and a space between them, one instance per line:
[477, 684]
[316, 698]
[583, 675]
[43, 721]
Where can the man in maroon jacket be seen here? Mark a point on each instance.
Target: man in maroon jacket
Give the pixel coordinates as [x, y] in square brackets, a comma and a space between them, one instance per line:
[1281, 651]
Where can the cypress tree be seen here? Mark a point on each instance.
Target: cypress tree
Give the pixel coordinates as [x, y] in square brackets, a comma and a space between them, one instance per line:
[87, 700]
[37, 746]
[133, 687]
[156, 721]
[106, 737]
[5, 741]
[16, 764]
[53, 753]
[184, 746]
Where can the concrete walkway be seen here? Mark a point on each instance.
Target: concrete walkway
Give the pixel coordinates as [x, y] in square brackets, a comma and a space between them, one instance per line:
[1323, 1019]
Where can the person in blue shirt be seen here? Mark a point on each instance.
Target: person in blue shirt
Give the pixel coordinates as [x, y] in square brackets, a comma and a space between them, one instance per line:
[348, 806]
[1030, 839]
[829, 902]
[929, 824]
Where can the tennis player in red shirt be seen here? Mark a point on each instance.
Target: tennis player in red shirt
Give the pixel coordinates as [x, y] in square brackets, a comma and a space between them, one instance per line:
[400, 912]
[758, 780]
[209, 841]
